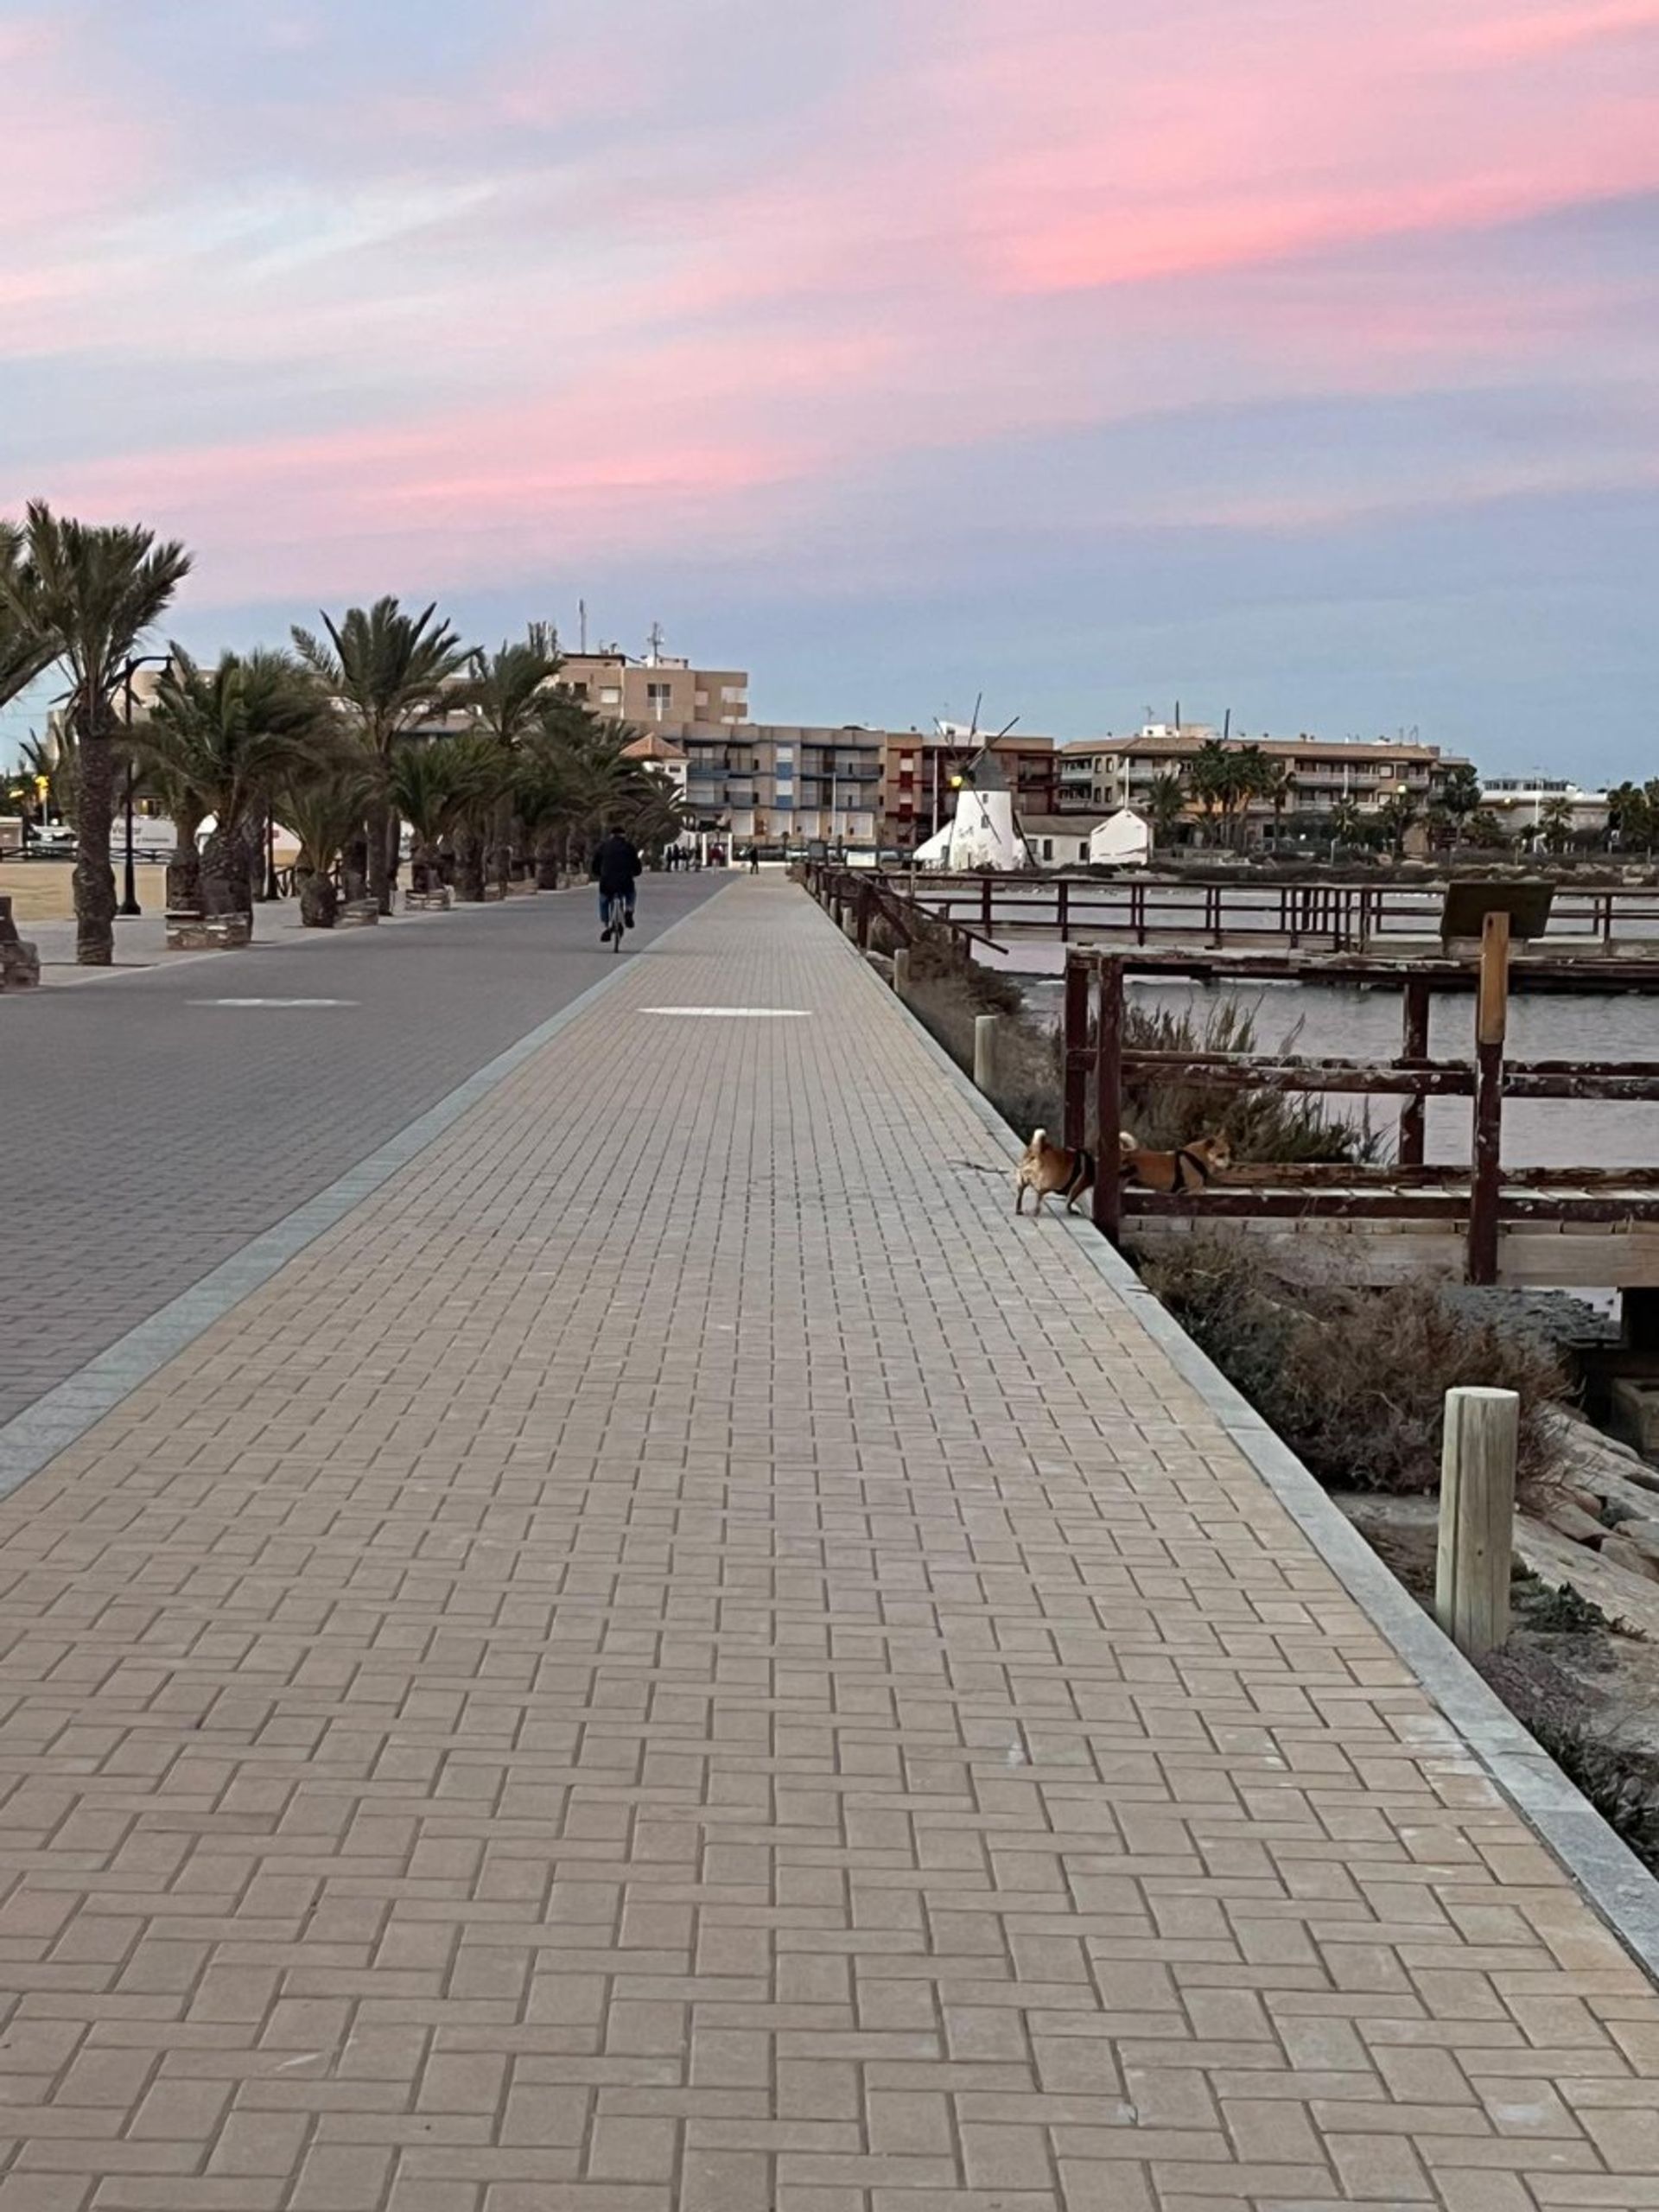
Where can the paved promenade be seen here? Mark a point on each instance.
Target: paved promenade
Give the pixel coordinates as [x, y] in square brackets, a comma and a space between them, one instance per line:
[154, 1122]
[679, 1660]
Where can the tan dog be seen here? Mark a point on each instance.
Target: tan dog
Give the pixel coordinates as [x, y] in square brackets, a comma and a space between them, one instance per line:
[1192, 1168]
[1053, 1170]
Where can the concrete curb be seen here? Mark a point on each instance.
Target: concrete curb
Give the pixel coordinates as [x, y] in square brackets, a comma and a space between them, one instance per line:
[1610, 1876]
[63, 1414]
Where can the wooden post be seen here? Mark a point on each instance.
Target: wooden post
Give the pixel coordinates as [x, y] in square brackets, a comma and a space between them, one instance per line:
[984, 1052]
[985, 904]
[1075, 1042]
[901, 970]
[1413, 1115]
[1492, 1018]
[1472, 1581]
[866, 901]
[1063, 909]
[1108, 1100]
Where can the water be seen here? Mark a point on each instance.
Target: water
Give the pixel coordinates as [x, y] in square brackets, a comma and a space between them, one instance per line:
[1349, 1023]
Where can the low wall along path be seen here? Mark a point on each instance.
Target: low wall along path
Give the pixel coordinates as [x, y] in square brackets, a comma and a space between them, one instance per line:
[678, 1658]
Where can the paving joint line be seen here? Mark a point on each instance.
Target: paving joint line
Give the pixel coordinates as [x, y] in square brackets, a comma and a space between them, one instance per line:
[1604, 1869]
[63, 1414]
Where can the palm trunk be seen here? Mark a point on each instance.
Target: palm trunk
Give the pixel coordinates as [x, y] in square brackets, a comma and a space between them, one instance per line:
[383, 845]
[470, 867]
[547, 865]
[184, 869]
[501, 847]
[354, 866]
[319, 900]
[225, 875]
[94, 818]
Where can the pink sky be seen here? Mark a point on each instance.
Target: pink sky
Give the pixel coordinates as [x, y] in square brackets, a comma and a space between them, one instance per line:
[488, 306]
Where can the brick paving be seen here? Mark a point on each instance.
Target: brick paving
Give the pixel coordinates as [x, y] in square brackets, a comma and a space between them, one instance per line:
[680, 1661]
[149, 1137]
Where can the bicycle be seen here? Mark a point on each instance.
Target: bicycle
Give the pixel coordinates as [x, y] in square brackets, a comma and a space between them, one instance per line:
[615, 914]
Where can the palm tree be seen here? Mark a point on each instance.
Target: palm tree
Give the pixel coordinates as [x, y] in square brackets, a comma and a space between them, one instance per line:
[387, 672]
[1396, 816]
[1277, 783]
[1166, 803]
[1459, 794]
[323, 811]
[86, 594]
[440, 787]
[221, 741]
[1346, 823]
[505, 694]
[1556, 823]
[1212, 779]
[23, 653]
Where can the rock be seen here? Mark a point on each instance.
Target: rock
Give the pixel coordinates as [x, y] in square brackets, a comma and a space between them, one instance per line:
[1570, 1519]
[1645, 1535]
[1617, 1550]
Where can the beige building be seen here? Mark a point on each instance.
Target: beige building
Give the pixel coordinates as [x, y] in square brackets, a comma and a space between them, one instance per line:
[661, 754]
[782, 785]
[1114, 771]
[657, 690]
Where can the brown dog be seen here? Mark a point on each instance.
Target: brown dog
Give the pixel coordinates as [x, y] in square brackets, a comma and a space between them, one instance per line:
[1192, 1168]
[1054, 1171]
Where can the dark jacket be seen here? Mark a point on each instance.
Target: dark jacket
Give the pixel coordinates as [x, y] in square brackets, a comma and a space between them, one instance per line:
[615, 865]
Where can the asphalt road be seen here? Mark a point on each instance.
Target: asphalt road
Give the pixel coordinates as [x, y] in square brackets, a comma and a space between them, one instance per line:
[149, 1134]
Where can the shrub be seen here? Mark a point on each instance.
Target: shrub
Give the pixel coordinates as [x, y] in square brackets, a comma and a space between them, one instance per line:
[1264, 1125]
[1354, 1381]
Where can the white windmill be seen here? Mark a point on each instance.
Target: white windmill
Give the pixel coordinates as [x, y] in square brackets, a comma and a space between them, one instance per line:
[983, 834]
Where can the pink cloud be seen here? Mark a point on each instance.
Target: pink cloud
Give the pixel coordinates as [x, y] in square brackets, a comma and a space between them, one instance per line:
[596, 321]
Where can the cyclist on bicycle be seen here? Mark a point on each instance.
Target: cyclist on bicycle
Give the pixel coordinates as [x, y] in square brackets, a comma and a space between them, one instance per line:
[615, 869]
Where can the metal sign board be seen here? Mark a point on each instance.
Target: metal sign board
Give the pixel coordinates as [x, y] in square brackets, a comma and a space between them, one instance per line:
[1526, 904]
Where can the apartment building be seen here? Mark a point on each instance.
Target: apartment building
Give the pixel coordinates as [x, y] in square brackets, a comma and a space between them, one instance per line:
[1526, 802]
[918, 795]
[657, 690]
[774, 784]
[1115, 772]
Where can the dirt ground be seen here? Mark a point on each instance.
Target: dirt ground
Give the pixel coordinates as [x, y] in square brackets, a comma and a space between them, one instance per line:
[40, 891]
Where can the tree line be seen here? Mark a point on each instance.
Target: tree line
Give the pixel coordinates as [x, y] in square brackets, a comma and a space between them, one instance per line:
[382, 717]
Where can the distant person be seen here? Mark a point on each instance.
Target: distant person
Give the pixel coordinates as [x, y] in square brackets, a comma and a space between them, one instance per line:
[754, 858]
[615, 868]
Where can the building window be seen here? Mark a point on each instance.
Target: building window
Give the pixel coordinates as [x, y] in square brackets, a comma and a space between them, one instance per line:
[657, 698]
[610, 696]
[1048, 849]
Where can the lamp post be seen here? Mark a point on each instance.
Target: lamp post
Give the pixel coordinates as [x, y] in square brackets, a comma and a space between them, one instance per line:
[130, 908]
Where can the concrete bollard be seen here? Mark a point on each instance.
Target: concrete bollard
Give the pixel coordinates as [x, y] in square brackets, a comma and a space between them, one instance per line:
[1477, 1541]
[901, 970]
[984, 1051]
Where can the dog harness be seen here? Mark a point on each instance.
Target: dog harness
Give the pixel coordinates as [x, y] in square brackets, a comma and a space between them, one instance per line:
[1184, 1160]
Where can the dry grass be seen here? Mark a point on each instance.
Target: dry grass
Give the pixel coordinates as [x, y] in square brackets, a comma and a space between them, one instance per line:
[40, 891]
[1354, 1381]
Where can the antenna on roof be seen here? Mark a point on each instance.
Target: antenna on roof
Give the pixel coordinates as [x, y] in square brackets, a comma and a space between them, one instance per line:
[1226, 725]
[654, 646]
[582, 622]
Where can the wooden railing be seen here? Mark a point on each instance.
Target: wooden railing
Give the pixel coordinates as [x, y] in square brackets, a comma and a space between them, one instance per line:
[1335, 916]
[1098, 1066]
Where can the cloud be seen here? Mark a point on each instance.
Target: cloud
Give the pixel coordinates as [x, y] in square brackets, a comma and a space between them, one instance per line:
[348, 295]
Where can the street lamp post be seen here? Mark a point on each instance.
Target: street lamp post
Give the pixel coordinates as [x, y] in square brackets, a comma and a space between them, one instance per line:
[130, 909]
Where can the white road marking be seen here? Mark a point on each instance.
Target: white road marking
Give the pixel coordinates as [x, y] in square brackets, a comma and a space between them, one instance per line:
[733, 1013]
[273, 1002]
